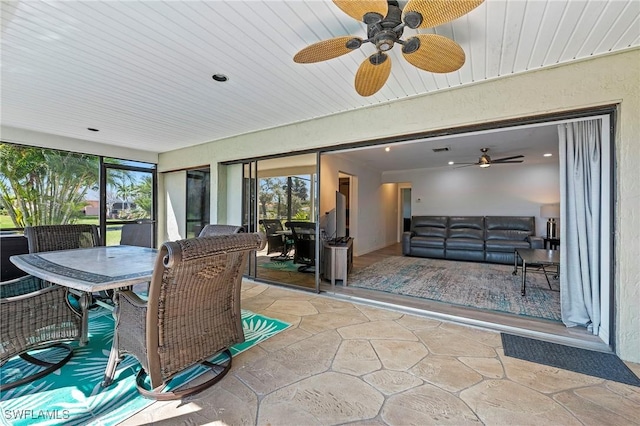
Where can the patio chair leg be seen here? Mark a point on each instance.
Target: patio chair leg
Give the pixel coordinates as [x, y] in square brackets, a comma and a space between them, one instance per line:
[49, 367]
[114, 355]
[218, 371]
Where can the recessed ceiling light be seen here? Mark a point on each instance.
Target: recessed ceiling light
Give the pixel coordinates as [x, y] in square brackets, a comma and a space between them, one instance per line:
[91, 129]
[220, 77]
[548, 154]
[387, 149]
[451, 163]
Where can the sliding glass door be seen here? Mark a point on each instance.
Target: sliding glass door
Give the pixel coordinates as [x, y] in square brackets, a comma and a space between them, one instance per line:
[278, 194]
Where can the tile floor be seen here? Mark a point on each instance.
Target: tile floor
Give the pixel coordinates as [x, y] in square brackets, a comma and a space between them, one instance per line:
[346, 363]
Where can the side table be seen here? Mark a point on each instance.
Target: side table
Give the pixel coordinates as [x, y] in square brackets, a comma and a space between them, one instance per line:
[553, 243]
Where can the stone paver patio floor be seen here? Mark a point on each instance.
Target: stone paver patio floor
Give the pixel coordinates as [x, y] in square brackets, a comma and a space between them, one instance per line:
[342, 362]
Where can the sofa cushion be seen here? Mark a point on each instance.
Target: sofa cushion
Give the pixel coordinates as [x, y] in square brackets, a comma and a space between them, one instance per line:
[464, 244]
[509, 227]
[466, 227]
[429, 226]
[506, 245]
[432, 242]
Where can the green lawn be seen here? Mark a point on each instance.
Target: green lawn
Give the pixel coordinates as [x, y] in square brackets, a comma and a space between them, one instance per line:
[113, 235]
[5, 222]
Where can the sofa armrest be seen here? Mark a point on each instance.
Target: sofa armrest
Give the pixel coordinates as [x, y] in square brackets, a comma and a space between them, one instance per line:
[406, 242]
[535, 242]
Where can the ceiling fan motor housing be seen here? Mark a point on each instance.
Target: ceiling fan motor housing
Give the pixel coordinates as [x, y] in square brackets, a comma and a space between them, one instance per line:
[384, 33]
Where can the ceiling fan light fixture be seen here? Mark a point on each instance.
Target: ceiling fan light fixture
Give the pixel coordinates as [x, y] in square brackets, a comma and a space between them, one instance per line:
[354, 43]
[413, 19]
[385, 40]
[371, 18]
[378, 58]
[484, 160]
[411, 45]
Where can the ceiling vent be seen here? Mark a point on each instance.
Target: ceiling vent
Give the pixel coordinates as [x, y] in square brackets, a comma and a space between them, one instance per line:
[444, 149]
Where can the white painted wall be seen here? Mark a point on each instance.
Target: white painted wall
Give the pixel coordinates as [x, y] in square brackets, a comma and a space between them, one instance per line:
[605, 80]
[374, 208]
[500, 190]
[175, 205]
[234, 186]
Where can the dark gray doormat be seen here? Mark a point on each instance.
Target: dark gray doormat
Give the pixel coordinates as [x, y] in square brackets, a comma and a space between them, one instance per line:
[598, 364]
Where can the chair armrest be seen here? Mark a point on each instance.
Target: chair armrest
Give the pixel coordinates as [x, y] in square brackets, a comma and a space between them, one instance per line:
[406, 242]
[133, 299]
[35, 294]
[535, 242]
[22, 285]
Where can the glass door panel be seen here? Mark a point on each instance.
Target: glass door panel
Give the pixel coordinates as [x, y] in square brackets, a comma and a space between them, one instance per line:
[280, 193]
[198, 200]
[128, 198]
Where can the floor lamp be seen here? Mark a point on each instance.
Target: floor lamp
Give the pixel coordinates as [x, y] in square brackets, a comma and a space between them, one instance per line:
[551, 212]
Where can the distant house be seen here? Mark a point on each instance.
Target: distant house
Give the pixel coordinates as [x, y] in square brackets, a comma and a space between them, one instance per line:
[92, 208]
[120, 208]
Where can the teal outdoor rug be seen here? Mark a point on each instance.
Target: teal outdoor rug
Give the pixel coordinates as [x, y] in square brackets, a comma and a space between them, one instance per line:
[277, 265]
[72, 395]
[479, 285]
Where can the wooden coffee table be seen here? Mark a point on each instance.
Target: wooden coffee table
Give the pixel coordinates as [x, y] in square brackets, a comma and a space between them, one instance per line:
[536, 257]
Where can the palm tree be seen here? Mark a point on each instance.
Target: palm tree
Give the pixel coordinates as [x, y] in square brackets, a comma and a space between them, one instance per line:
[43, 186]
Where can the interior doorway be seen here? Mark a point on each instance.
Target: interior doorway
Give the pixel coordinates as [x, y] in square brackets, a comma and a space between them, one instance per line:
[344, 187]
[405, 209]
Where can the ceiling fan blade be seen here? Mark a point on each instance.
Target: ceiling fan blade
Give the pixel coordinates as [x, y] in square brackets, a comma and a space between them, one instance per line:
[327, 49]
[438, 12]
[373, 74]
[506, 162]
[500, 160]
[368, 11]
[433, 53]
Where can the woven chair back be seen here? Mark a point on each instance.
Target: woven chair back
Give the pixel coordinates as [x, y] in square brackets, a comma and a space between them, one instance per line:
[137, 234]
[304, 240]
[61, 237]
[215, 229]
[194, 300]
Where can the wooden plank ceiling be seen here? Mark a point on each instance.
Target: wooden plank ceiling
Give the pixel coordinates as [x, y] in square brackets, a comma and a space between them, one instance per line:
[141, 71]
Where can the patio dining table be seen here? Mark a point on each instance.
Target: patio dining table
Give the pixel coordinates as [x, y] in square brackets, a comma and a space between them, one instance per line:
[89, 270]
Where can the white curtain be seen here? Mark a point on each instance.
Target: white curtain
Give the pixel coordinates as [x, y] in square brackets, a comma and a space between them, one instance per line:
[580, 192]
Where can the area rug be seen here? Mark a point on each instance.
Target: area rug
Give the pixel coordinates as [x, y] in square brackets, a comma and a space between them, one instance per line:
[597, 364]
[72, 395]
[284, 266]
[479, 285]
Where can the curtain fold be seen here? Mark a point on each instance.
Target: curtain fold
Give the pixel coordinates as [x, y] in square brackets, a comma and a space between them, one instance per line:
[580, 192]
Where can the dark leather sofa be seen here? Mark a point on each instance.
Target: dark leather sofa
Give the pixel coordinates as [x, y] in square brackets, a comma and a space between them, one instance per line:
[473, 238]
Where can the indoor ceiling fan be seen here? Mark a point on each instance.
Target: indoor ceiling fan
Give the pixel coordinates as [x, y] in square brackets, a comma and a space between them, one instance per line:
[385, 24]
[486, 161]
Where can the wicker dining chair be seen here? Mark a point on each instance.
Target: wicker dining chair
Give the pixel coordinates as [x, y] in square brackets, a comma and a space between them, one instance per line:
[304, 243]
[137, 234]
[35, 316]
[192, 313]
[61, 237]
[216, 229]
[66, 237]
